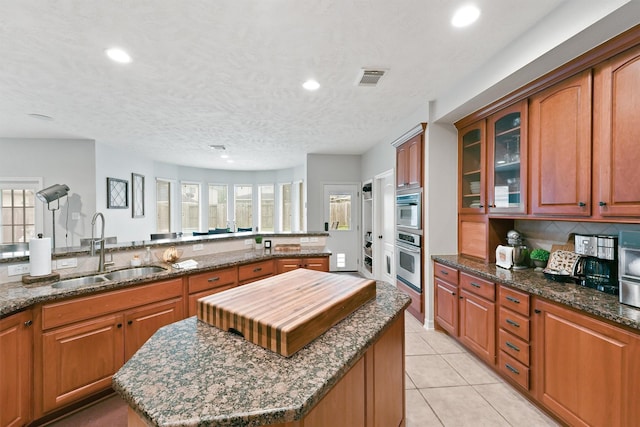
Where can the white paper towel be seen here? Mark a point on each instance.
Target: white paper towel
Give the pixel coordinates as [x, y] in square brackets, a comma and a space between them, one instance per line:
[40, 256]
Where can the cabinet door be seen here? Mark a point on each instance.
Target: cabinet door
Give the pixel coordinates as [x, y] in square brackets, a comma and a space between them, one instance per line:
[144, 321]
[318, 264]
[80, 359]
[255, 271]
[587, 369]
[471, 167]
[507, 160]
[446, 306]
[409, 163]
[560, 145]
[16, 334]
[616, 136]
[478, 326]
[402, 160]
[287, 264]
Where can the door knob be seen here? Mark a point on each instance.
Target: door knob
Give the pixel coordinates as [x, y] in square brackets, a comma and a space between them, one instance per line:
[380, 236]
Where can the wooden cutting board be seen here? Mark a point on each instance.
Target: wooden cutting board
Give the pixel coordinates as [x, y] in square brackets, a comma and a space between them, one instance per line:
[284, 313]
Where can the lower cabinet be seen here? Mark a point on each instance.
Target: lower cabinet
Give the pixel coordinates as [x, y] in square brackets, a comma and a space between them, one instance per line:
[16, 337]
[209, 283]
[477, 312]
[587, 370]
[255, 271]
[312, 263]
[85, 340]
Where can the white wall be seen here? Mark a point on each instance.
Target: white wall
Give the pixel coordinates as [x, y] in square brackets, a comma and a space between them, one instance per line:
[56, 161]
[379, 159]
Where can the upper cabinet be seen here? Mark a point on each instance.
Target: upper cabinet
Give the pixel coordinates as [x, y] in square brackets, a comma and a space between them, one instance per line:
[616, 135]
[409, 163]
[507, 160]
[560, 138]
[471, 167]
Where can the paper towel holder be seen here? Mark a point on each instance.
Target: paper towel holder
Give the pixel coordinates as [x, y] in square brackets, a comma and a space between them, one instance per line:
[52, 194]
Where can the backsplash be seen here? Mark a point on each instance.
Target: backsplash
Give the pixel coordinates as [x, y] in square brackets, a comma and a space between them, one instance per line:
[543, 234]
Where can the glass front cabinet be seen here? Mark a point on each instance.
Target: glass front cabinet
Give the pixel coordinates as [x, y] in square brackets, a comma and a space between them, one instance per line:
[507, 160]
[472, 168]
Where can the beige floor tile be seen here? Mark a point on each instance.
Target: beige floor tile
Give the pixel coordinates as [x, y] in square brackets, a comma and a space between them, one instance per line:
[418, 412]
[414, 344]
[408, 384]
[462, 406]
[431, 371]
[441, 342]
[517, 410]
[411, 324]
[473, 371]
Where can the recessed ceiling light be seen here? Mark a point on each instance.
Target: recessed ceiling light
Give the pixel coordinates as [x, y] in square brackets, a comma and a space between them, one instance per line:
[465, 16]
[224, 156]
[311, 85]
[229, 161]
[118, 55]
[41, 117]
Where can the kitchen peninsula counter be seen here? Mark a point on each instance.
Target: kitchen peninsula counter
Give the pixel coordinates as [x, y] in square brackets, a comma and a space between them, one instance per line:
[193, 374]
[579, 297]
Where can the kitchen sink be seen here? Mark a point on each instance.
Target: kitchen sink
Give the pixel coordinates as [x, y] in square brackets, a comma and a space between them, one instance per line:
[130, 273]
[79, 282]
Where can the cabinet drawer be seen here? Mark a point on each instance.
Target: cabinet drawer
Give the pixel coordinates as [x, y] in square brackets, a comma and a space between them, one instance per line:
[514, 300]
[447, 274]
[62, 313]
[255, 271]
[514, 323]
[478, 286]
[514, 347]
[513, 369]
[213, 279]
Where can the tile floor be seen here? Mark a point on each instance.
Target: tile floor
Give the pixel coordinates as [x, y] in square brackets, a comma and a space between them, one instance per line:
[446, 386]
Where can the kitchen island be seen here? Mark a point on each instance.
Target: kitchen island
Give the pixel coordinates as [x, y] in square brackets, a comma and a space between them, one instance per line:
[192, 374]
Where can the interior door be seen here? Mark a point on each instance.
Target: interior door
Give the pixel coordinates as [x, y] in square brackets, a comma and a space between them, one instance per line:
[341, 213]
[384, 229]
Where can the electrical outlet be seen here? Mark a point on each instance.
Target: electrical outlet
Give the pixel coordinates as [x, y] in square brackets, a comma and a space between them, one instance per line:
[304, 240]
[67, 263]
[248, 242]
[198, 247]
[18, 269]
[313, 239]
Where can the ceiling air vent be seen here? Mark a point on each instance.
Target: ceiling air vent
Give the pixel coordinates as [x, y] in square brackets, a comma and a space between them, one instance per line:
[370, 77]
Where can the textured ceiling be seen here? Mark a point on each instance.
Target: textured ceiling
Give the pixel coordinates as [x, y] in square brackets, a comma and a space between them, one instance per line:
[230, 72]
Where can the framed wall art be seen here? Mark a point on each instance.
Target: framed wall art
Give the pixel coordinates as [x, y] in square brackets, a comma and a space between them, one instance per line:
[137, 195]
[117, 193]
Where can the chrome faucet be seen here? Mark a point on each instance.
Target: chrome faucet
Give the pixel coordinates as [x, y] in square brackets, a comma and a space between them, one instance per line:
[101, 268]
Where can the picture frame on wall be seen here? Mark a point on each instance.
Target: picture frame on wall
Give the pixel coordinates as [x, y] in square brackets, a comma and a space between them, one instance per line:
[137, 195]
[117, 193]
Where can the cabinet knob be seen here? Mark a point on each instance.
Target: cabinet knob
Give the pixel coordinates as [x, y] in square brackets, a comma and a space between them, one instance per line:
[481, 206]
[28, 322]
[582, 204]
[119, 325]
[603, 203]
[130, 322]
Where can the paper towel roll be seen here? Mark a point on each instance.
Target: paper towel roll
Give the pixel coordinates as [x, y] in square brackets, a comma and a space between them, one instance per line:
[40, 256]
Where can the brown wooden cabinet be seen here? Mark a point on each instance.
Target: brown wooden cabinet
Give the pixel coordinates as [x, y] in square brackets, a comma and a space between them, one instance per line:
[471, 168]
[477, 312]
[507, 160]
[514, 356]
[85, 340]
[311, 263]
[255, 271]
[209, 283]
[560, 147]
[409, 163]
[16, 357]
[616, 132]
[587, 370]
[446, 298]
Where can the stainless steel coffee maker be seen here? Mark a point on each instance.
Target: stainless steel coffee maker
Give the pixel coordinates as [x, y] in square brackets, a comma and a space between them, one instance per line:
[599, 263]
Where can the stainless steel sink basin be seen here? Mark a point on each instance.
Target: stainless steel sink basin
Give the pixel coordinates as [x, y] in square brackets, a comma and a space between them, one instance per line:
[79, 282]
[130, 273]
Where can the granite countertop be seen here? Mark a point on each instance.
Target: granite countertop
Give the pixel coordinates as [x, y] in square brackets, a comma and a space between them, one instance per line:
[585, 299]
[16, 296]
[192, 374]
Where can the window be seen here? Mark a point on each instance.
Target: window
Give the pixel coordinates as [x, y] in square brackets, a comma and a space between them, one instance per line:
[266, 206]
[285, 207]
[301, 211]
[190, 207]
[18, 215]
[217, 206]
[340, 211]
[163, 206]
[243, 196]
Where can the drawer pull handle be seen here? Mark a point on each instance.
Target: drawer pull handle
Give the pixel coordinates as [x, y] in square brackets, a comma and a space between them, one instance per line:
[513, 300]
[213, 279]
[512, 346]
[512, 323]
[512, 369]
[28, 323]
[255, 270]
[475, 285]
[446, 273]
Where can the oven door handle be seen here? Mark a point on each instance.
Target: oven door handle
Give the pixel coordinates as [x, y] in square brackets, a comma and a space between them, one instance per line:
[408, 248]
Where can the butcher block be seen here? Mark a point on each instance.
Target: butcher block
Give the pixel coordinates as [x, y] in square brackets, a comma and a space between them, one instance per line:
[284, 313]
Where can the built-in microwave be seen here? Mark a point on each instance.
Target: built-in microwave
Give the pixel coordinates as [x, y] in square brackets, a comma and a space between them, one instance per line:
[408, 210]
